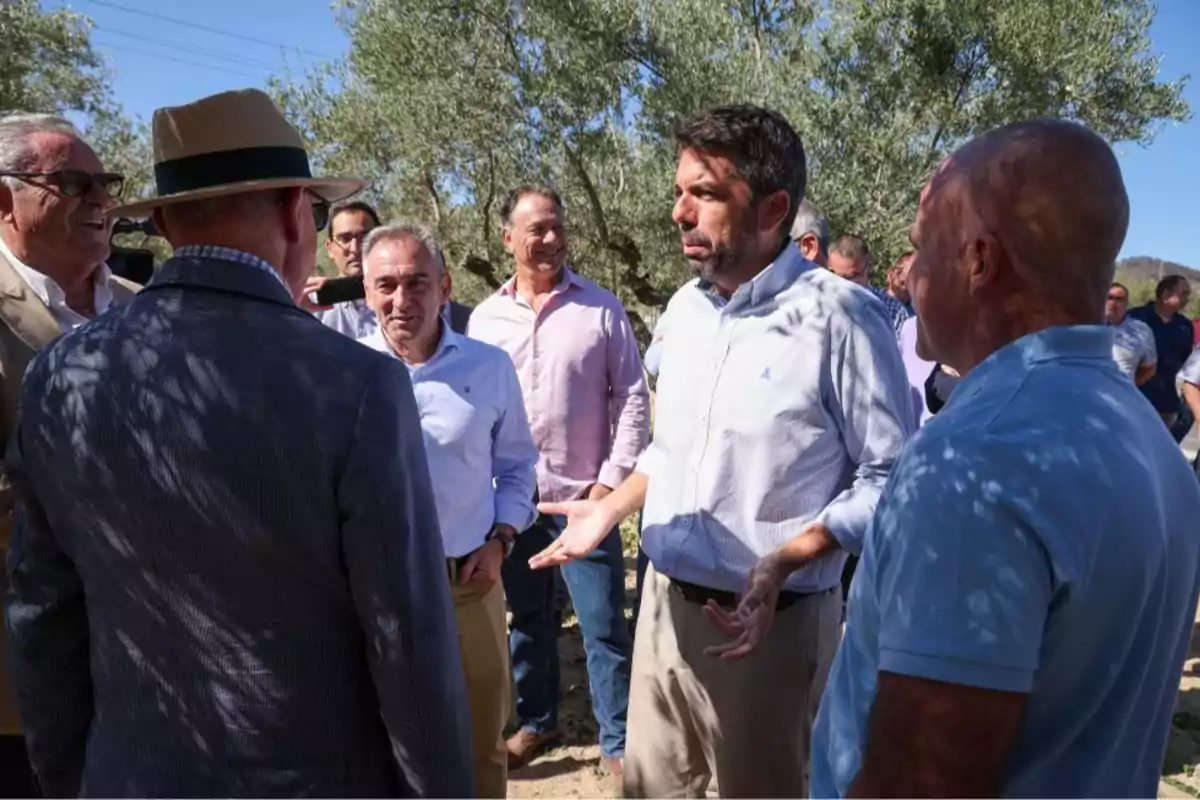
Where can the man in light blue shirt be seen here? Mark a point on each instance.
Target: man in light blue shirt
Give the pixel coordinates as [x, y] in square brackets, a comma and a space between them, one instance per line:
[481, 462]
[1027, 592]
[782, 402]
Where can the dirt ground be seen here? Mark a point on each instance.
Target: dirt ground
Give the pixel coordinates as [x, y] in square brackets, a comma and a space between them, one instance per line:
[573, 769]
[1181, 766]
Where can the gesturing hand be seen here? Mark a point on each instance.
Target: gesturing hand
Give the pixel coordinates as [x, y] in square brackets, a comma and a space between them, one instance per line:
[587, 524]
[749, 622]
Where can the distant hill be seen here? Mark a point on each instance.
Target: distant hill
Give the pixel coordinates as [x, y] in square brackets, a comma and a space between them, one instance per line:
[1140, 268]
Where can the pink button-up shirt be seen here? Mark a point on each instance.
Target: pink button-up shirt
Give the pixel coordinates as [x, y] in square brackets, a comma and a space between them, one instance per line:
[581, 376]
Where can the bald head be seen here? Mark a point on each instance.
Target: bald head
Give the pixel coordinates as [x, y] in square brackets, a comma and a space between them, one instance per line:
[1028, 220]
[1051, 192]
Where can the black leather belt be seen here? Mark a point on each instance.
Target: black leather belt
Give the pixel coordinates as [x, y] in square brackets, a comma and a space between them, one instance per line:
[700, 595]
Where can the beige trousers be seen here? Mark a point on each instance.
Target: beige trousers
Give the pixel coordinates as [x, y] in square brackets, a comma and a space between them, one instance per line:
[483, 641]
[748, 722]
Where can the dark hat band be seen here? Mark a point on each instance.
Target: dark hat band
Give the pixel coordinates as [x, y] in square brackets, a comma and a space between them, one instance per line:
[226, 167]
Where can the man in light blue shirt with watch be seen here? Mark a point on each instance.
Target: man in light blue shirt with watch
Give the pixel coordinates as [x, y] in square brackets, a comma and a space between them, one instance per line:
[481, 462]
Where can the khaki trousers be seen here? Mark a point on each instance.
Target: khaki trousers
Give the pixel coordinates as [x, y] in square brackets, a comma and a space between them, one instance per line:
[748, 722]
[483, 642]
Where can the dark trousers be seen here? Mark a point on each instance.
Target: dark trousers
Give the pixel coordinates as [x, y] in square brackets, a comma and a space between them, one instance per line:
[16, 776]
[597, 588]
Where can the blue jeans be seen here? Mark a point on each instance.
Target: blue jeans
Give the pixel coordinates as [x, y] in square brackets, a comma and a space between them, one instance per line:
[597, 587]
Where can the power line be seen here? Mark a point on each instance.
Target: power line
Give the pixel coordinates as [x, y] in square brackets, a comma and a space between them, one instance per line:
[179, 60]
[199, 27]
[176, 45]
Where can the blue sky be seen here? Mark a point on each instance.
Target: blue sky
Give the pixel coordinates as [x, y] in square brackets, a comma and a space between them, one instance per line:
[158, 63]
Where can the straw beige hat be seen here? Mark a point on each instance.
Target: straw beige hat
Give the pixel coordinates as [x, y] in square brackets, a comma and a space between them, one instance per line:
[229, 143]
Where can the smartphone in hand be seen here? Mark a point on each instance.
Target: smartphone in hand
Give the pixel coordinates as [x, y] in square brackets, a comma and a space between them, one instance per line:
[339, 290]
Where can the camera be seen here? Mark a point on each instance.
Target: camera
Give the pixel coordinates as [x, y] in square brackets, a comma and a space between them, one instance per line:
[132, 263]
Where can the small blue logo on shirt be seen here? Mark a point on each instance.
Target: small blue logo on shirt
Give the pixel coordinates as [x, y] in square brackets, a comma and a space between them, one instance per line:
[766, 374]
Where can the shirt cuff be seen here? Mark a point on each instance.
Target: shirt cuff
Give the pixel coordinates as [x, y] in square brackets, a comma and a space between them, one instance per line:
[650, 461]
[519, 513]
[845, 523]
[952, 670]
[612, 475]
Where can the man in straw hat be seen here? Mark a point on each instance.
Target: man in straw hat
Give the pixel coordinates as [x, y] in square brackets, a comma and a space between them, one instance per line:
[213, 595]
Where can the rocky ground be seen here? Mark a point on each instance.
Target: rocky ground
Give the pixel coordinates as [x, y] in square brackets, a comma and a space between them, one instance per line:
[1181, 767]
[573, 769]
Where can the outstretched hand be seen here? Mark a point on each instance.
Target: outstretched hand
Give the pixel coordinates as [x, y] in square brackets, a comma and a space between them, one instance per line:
[587, 525]
[749, 622]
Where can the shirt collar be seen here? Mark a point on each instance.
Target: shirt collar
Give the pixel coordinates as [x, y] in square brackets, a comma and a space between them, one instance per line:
[567, 279]
[47, 289]
[448, 341]
[1060, 343]
[229, 254]
[770, 281]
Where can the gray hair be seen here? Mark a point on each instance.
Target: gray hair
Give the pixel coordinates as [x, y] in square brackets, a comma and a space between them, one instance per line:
[809, 219]
[404, 230]
[15, 129]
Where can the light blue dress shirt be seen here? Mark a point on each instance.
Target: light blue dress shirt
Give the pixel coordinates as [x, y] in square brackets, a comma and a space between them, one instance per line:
[477, 441]
[353, 318]
[1037, 536]
[784, 405]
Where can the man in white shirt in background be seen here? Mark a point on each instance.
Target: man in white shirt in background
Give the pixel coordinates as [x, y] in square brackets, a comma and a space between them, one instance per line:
[54, 240]
[475, 431]
[1133, 341]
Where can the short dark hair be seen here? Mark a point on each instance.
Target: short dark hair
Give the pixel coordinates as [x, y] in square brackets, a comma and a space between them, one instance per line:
[353, 205]
[514, 197]
[1120, 286]
[850, 245]
[765, 150]
[1168, 285]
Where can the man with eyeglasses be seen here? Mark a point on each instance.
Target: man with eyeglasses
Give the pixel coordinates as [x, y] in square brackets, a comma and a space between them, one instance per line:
[213, 592]
[54, 239]
[349, 224]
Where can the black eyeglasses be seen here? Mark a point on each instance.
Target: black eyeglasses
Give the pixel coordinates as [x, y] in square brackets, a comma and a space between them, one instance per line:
[320, 210]
[1120, 298]
[73, 182]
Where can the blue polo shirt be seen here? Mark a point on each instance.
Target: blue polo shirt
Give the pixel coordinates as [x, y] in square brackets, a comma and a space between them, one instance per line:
[1037, 536]
[1173, 340]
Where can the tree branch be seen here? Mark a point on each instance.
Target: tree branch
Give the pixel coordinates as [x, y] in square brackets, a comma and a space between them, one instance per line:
[434, 200]
[620, 244]
[967, 76]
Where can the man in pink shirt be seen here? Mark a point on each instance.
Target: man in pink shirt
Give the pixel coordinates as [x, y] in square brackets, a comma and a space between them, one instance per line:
[581, 376]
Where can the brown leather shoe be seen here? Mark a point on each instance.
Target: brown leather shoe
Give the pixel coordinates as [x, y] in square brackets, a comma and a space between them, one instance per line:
[524, 746]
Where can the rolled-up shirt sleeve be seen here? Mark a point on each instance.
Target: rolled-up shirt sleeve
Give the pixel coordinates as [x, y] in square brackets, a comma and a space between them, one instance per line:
[870, 402]
[629, 401]
[514, 456]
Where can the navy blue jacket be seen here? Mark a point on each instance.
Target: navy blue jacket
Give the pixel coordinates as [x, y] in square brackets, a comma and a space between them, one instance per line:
[226, 571]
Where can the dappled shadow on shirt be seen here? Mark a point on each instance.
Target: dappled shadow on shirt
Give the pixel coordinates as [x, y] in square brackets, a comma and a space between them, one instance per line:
[172, 463]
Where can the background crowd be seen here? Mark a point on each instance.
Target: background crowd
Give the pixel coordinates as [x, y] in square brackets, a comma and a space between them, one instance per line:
[262, 545]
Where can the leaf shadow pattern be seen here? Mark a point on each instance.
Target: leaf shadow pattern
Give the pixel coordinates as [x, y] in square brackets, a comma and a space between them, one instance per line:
[186, 452]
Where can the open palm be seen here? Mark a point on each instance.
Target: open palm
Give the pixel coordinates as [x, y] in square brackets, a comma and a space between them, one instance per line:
[587, 525]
